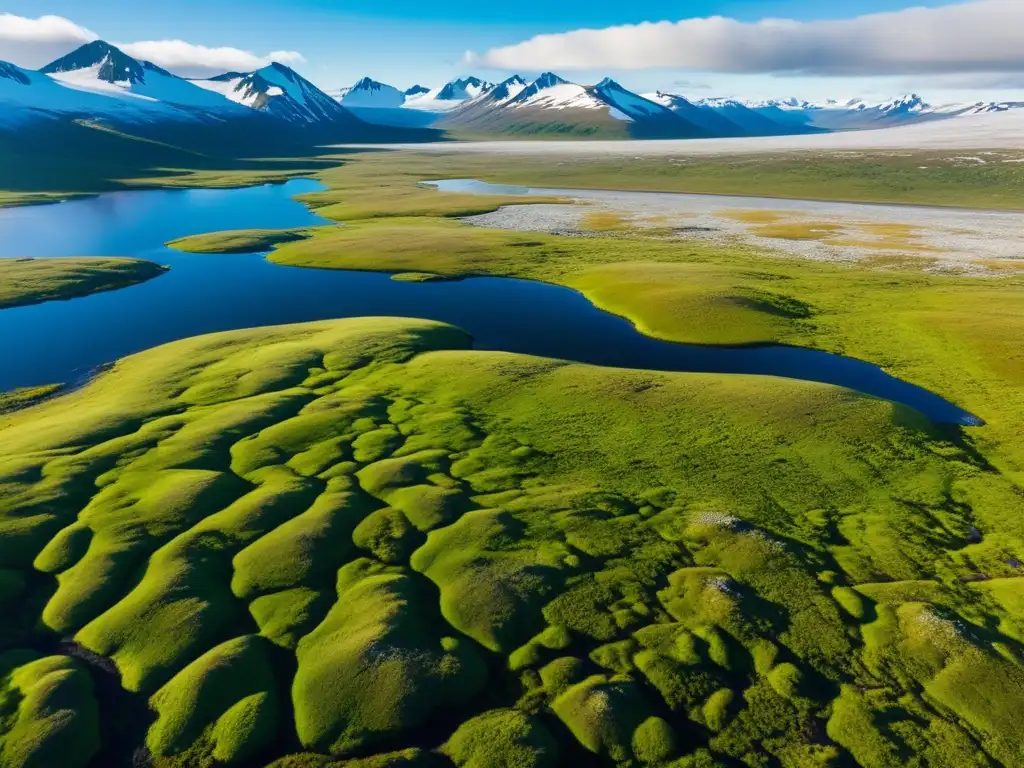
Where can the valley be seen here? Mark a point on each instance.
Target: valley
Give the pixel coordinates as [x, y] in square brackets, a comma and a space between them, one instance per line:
[322, 453]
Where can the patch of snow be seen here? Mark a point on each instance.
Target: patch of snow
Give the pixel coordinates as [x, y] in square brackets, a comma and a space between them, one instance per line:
[619, 114]
[562, 96]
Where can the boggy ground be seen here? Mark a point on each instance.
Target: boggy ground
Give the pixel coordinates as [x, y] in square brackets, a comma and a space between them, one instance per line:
[359, 543]
[956, 335]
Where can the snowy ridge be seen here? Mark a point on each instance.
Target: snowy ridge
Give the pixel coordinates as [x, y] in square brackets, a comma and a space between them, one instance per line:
[101, 68]
[279, 91]
[551, 104]
[449, 96]
[26, 95]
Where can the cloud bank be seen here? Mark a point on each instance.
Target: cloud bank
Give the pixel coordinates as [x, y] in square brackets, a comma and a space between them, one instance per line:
[979, 36]
[198, 60]
[33, 43]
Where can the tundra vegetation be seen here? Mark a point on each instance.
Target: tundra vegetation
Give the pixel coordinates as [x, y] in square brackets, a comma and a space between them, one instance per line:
[31, 281]
[363, 543]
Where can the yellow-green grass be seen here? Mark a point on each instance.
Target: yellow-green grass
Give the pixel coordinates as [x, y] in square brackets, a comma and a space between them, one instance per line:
[417, 277]
[728, 580]
[239, 241]
[954, 335]
[605, 221]
[26, 396]
[649, 567]
[48, 712]
[32, 281]
[753, 215]
[799, 230]
[884, 177]
[785, 225]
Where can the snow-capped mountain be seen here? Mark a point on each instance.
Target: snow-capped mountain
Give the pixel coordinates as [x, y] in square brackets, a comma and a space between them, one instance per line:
[416, 90]
[370, 93]
[279, 91]
[449, 96]
[551, 104]
[99, 67]
[750, 121]
[713, 123]
[910, 104]
[507, 90]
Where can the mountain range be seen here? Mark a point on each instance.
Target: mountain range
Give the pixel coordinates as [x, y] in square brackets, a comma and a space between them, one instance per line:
[98, 86]
[551, 105]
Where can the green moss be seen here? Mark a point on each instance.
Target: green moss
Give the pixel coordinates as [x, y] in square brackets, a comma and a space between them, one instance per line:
[503, 738]
[306, 550]
[48, 714]
[378, 637]
[226, 697]
[654, 741]
[388, 535]
[490, 590]
[716, 709]
[239, 483]
[561, 673]
[853, 725]
[603, 715]
[786, 680]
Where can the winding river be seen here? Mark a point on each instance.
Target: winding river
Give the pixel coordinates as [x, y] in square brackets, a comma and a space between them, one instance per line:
[64, 340]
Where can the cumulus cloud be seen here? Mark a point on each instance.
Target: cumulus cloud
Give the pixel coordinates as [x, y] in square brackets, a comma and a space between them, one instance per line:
[33, 43]
[198, 60]
[979, 36]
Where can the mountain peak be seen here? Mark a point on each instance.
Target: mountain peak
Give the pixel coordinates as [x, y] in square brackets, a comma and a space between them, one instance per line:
[416, 90]
[371, 93]
[276, 66]
[507, 89]
[367, 84]
[463, 88]
[112, 64]
[548, 80]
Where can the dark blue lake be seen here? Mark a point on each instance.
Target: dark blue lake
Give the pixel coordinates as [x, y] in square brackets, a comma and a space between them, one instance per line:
[61, 341]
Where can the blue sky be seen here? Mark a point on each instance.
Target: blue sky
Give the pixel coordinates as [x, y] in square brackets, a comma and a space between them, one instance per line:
[406, 41]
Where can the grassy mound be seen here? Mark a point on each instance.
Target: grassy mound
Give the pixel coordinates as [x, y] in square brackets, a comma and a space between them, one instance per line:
[359, 543]
[238, 241]
[48, 714]
[31, 281]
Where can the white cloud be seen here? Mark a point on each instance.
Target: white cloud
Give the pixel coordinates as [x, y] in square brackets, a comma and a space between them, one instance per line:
[33, 43]
[190, 60]
[979, 36]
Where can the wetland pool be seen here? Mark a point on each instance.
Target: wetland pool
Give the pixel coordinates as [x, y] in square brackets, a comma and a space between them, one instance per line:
[63, 341]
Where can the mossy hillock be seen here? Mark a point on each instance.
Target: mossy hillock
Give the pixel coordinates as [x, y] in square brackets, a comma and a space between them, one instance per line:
[361, 543]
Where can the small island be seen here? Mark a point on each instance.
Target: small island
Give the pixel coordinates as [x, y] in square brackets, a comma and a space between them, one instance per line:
[33, 281]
